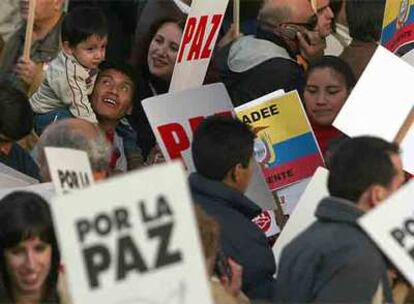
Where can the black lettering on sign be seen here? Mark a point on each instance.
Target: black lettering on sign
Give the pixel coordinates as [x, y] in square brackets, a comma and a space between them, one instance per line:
[73, 180]
[103, 223]
[129, 258]
[279, 176]
[164, 256]
[162, 209]
[97, 260]
[255, 116]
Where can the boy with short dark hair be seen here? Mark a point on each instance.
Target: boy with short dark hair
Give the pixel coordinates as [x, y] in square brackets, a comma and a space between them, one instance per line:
[222, 150]
[71, 76]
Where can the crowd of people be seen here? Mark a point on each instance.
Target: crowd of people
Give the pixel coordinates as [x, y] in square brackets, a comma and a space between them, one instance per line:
[91, 65]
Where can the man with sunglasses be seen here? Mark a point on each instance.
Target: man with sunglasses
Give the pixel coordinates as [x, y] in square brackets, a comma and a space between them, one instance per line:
[274, 58]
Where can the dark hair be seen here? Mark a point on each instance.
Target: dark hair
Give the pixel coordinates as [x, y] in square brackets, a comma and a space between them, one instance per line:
[365, 19]
[81, 23]
[140, 63]
[358, 163]
[24, 215]
[336, 64]
[16, 115]
[220, 143]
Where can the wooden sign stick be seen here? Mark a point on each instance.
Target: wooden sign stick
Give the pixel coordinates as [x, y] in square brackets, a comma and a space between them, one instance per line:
[408, 123]
[236, 16]
[29, 30]
[280, 216]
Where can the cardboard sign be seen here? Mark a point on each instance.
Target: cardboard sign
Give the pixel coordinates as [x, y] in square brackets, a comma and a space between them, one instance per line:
[303, 215]
[398, 28]
[133, 239]
[407, 145]
[381, 100]
[285, 145]
[14, 176]
[175, 116]
[197, 43]
[391, 226]
[45, 190]
[69, 169]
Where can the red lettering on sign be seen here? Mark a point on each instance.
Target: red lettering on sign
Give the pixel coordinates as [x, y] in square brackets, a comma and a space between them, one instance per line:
[189, 31]
[175, 139]
[216, 21]
[197, 43]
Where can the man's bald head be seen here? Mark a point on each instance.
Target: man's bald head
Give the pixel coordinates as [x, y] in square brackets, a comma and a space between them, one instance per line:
[277, 12]
[76, 134]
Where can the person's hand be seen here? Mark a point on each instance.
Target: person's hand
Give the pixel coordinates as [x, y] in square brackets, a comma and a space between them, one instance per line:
[229, 36]
[26, 70]
[311, 44]
[233, 285]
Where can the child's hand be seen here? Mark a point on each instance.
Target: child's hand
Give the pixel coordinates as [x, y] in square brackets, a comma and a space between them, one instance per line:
[26, 70]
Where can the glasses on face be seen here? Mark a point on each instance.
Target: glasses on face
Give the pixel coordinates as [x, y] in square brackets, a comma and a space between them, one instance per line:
[309, 25]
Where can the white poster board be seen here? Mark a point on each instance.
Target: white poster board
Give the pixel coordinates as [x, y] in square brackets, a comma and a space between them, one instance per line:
[303, 215]
[380, 101]
[391, 226]
[407, 147]
[10, 176]
[69, 169]
[45, 190]
[197, 43]
[175, 116]
[133, 239]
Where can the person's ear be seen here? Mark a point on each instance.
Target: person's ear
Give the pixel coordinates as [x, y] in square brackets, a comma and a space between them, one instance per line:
[67, 48]
[378, 193]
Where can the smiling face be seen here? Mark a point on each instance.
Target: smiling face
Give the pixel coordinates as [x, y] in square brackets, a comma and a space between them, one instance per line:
[163, 50]
[112, 96]
[90, 52]
[325, 94]
[28, 265]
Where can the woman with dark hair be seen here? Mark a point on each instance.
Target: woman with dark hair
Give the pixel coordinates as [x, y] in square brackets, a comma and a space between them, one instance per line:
[328, 83]
[29, 258]
[155, 69]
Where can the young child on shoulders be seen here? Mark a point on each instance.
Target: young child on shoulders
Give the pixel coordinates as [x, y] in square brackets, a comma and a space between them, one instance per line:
[71, 76]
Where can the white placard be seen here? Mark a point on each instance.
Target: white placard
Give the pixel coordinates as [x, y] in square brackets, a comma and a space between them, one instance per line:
[381, 101]
[45, 190]
[197, 43]
[303, 215]
[174, 117]
[16, 175]
[391, 226]
[69, 169]
[133, 239]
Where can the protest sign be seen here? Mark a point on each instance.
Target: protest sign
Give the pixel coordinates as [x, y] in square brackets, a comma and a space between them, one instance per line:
[10, 177]
[69, 169]
[381, 100]
[197, 44]
[45, 190]
[175, 116]
[303, 215]
[133, 239]
[391, 226]
[398, 28]
[285, 145]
